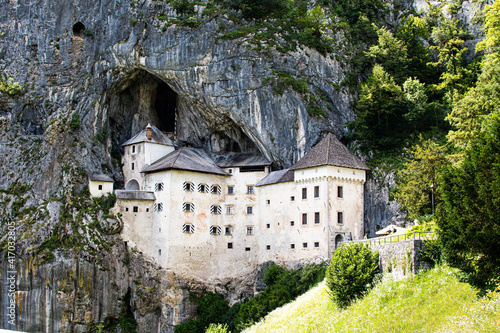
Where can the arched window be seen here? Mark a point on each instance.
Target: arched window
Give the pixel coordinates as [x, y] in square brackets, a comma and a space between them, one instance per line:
[132, 185]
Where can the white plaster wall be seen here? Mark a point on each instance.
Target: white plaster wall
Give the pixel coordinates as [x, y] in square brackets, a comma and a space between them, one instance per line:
[137, 159]
[154, 152]
[107, 187]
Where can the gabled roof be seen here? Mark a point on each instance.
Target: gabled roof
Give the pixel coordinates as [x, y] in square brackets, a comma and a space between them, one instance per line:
[101, 178]
[157, 136]
[240, 160]
[275, 177]
[135, 195]
[330, 151]
[190, 159]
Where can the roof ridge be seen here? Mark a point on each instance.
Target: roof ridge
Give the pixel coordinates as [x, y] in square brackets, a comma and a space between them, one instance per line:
[178, 154]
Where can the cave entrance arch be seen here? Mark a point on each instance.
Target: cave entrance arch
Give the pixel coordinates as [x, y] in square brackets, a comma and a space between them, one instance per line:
[139, 99]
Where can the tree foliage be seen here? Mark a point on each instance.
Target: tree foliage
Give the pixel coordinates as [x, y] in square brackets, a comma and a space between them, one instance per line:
[469, 217]
[351, 272]
[421, 171]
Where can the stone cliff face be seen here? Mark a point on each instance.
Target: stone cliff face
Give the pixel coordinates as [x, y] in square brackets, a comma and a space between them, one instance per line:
[93, 74]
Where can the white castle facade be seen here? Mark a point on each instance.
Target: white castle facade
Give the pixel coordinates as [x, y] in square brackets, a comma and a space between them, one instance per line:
[220, 216]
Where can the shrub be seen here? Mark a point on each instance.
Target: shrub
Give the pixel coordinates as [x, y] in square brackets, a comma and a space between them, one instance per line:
[351, 272]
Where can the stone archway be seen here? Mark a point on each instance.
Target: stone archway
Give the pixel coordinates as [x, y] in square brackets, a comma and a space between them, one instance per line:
[132, 185]
[338, 239]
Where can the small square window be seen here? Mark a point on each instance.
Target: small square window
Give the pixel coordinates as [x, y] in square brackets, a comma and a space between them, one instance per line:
[249, 189]
[316, 244]
[147, 210]
[304, 193]
[230, 190]
[268, 247]
[304, 219]
[316, 191]
[268, 226]
[229, 210]
[292, 223]
[100, 187]
[230, 170]
[316, 218]
[268, 202]
[340, 192]
[340, 218]
[188, 186]
[159, 252]
[249, 230]
[216, 189]
[304, 245]
[228, 231]
[292, 198]
[132, 166]
[247, 249]
[292, 246]
[229, 245]
[135, 209]
[249, 210]
[202, 188]
[126, 209]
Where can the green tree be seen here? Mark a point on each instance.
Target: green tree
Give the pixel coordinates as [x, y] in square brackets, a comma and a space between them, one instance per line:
[416, 99]
[380, 124]
[351, 272]
[420, 172]
[469, 217]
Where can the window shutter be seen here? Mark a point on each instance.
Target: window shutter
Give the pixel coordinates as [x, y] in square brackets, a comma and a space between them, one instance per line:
[219, 190]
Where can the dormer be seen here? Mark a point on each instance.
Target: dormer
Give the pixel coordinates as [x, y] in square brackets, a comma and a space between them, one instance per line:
[143, 149]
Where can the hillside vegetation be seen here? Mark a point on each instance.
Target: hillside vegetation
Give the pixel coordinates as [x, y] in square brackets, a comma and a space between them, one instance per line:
[433, 301]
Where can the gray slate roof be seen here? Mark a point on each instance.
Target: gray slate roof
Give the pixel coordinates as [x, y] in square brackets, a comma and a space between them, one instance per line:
[135, 195]
[275, 177]
[330, 151]
[156, 137]
[101, 178]
[191, 159]
[240, 160]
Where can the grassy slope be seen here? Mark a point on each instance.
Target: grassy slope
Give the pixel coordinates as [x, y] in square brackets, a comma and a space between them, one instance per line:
[434, 301]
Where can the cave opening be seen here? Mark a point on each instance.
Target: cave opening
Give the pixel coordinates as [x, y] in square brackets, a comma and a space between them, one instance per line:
[166, 107]
[78, 28]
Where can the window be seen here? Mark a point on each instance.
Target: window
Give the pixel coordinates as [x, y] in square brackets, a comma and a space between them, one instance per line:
[340, 218]
[215, 230]
[188, 207]
[126, 209]
[135, 209]
[133, 149]
[187, 186]
[229, 245]
[215, 189]
[159, 187]
[202, 188]
[316, 191]
[316, 218]
[159, 252]
[188, 228]
[249, 230]
[292, 198]
[147, 210]
[340, 192]
[268, 202]
[229, 230]
[292, 223]
[268, 226]
[215, 210]
[304, 245]
[268, 247]
[304, 218]
[132, 166]
[230, 170]
[247, 249]
[158, 207]
[304, 193]
[253, 169]
[229, 210]
[249, 189]
[230, 190]
[249, 210]
[316, 244]
[292, 246]
[100, 187]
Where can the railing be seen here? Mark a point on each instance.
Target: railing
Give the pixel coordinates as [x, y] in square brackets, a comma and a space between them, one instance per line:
[419, 235]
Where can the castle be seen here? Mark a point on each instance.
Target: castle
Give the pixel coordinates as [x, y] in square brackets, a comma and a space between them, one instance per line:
[220, 216]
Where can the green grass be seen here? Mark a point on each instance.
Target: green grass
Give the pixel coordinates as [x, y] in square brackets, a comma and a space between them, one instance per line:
[434, 301]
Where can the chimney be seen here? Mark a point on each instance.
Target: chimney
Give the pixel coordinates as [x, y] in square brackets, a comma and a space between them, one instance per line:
[149, 131]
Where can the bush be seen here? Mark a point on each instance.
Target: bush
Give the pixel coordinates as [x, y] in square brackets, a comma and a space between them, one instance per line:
[351, 272]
